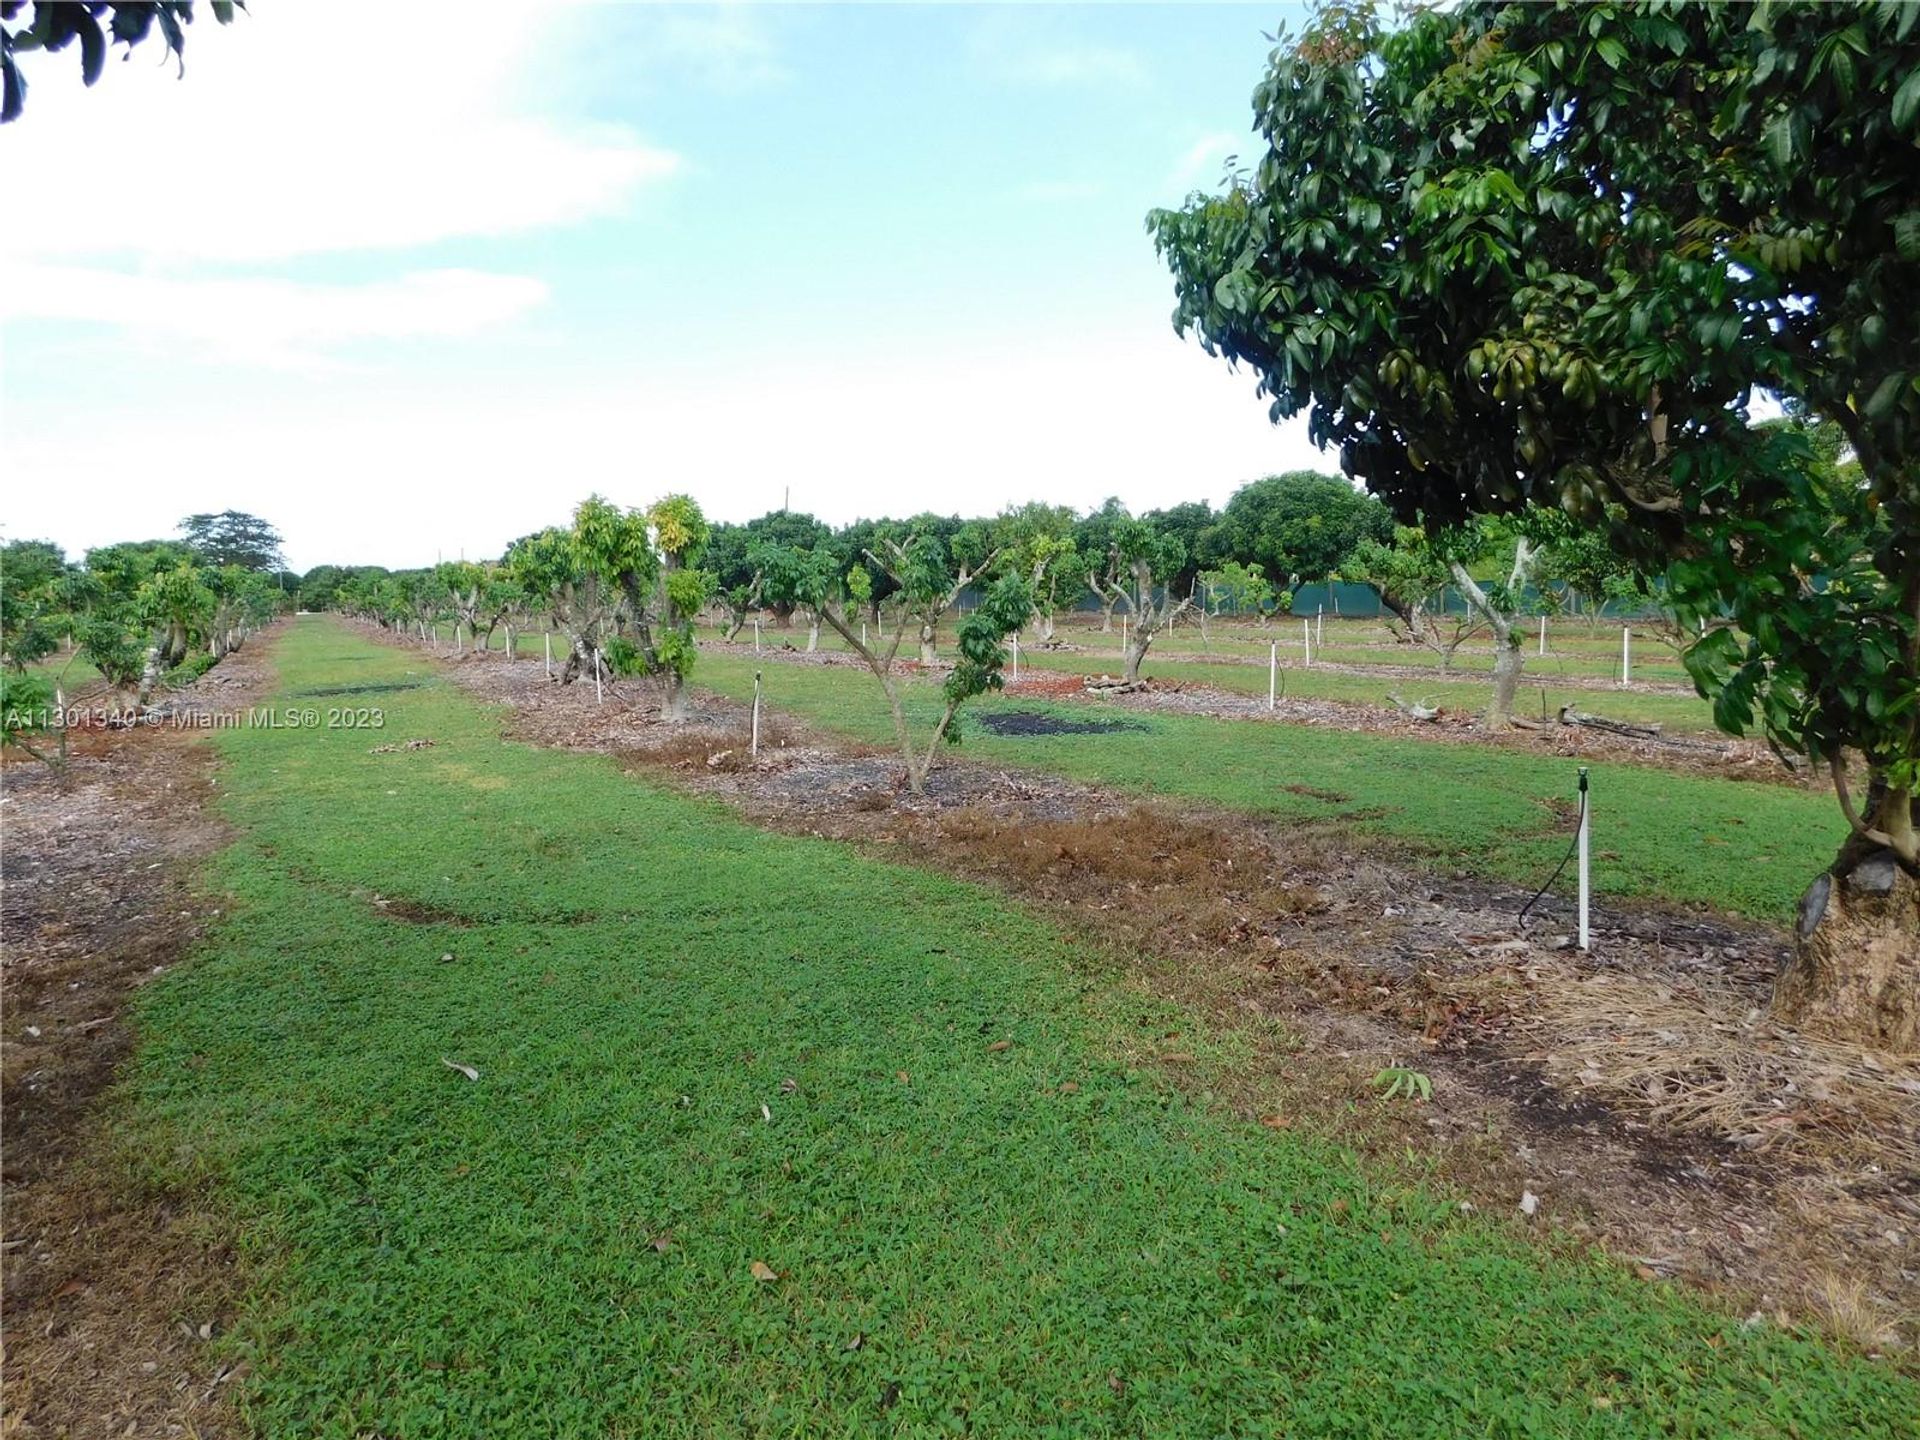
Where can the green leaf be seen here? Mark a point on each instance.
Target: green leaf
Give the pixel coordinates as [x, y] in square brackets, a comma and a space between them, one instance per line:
[1906, 101]
[93, 46]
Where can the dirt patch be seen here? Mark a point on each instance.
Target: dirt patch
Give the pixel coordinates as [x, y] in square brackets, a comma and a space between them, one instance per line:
[1039, 722]
[1335, 958]
[111, 1291]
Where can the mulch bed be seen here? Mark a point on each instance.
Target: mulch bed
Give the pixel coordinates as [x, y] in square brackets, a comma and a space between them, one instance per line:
[111, 1292]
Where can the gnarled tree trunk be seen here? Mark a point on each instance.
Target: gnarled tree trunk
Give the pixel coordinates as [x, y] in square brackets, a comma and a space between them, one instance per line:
[1855, 970]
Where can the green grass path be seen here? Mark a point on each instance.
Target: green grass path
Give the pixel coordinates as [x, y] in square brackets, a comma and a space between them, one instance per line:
[968, 1249]
[1746, 848]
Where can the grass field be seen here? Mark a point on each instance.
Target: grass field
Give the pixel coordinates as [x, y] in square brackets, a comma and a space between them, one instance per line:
[1239, 665]
[701, 1047]
[1748, 848]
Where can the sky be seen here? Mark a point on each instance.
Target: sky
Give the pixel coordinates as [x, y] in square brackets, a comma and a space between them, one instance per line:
[411, 279]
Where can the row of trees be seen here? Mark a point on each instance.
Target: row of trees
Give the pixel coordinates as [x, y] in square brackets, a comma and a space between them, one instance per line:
[1516, 258]
[140, 613]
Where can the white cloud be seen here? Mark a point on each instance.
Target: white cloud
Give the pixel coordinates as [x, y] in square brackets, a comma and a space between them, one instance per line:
[402, 479]
[1019, 46]
[309, 128]
[270, 321]
[1201, 163]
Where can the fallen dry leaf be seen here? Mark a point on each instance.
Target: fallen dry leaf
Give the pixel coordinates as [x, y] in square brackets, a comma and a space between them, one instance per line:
[901, 1076]
[466, 1070]
[662, 1242]
[1276, 1122]
[1177, 1057]
[1070, 1087]
[998, 1046]
[763, 1272]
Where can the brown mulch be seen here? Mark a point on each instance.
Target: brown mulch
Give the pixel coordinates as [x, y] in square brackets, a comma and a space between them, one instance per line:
[1791, 1189]
[112, 1291]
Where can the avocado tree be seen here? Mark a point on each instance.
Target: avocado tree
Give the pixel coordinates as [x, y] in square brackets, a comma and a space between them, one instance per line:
[1513, 254]
[925, 580]
[176, 604]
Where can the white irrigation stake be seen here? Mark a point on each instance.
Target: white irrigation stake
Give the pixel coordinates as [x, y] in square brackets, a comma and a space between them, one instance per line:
[1543, 634]
[1586, 827]
[1273, 671]
[863, 634]
[598, 694]
[1320, 627]
[753, 746]
[1016, 657]
[1306, 643]
[548, 637]
[756, 634]
[1123, 634]
[1626, 654]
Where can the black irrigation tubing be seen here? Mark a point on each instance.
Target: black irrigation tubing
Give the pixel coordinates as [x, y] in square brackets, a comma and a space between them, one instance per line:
[1572, 846]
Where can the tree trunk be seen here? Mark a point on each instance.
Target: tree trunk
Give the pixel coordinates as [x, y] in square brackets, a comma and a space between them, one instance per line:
[1855, 970]
[1508, 660]
[1106, 615]
[928, 654]
[1137, 644]
[673, 697]
[813, 631]
[1043, 627]
[150, 674]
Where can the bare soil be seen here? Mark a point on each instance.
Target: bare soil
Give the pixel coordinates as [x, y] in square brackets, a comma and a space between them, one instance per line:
[1637, 1093]
[112, 1291]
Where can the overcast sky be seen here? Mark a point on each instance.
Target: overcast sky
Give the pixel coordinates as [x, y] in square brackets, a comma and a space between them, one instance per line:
[411, 279]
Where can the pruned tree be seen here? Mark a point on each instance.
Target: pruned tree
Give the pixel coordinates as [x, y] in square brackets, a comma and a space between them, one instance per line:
[926, 580]
[1099, 559]
[1406, 574]
[1145, 557]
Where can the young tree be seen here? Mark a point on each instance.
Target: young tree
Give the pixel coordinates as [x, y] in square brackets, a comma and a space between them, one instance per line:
[790, 579]
[736, 584]
[1036, 542]
[36, 592]
[927, 580]
[176, 604]
[1146, 557]
[1496, 603]
[1099, 558]
[1518, 254]
[1404, 575]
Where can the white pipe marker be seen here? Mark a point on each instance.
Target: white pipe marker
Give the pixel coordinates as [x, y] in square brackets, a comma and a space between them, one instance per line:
[1586, 829]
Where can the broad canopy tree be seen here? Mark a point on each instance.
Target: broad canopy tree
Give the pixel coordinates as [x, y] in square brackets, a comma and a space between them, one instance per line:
[1513, 255]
